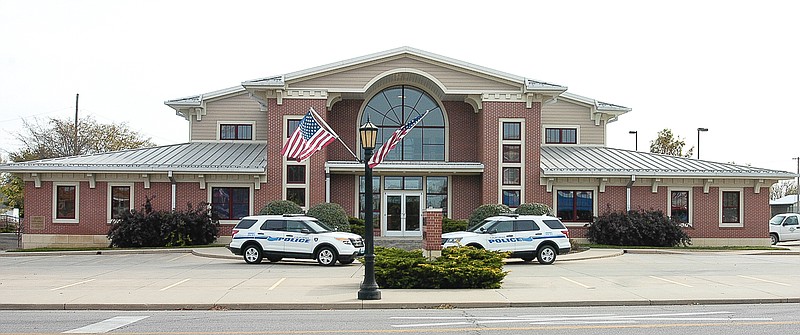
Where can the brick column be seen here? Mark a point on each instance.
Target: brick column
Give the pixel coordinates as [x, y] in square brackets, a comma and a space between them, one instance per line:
[432, 229]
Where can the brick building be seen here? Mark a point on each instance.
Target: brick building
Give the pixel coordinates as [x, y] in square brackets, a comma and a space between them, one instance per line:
[490, 137]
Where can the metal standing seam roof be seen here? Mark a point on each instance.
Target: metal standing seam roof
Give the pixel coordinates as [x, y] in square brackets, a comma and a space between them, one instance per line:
[225, 157]
[604, 161]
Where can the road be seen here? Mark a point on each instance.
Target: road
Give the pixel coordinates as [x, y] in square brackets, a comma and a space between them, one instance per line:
[633, 320]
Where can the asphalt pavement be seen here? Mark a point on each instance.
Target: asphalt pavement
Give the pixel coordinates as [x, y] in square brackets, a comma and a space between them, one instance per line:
[213, 278]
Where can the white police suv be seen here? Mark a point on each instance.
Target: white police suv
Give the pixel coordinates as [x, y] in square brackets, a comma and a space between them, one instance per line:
[524, 236]
[293, 236]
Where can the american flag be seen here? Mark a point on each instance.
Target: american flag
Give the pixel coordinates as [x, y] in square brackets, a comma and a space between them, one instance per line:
[306, 139]
[398, 135]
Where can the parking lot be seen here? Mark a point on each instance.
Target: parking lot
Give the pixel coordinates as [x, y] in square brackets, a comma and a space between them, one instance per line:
[172, 280]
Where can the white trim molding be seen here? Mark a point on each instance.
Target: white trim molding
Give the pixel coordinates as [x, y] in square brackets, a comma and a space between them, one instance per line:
[109, 210]
[210, 187]
[689, 204]
[77, 202]
[595, 194]
[501, 165]
[741, 209]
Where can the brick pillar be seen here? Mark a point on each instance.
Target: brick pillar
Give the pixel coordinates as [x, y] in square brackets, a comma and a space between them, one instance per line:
[432, 229]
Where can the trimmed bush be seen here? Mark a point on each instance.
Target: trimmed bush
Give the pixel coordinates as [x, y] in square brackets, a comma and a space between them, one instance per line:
[148, 228]
[331, 214]
[280, 207]
[450, 225]
[458, 267]
[356, 225]
[533, 209]
[637, 228]
[485, 211]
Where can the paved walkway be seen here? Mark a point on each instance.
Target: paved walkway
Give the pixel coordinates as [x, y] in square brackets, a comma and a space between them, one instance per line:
[216, 279]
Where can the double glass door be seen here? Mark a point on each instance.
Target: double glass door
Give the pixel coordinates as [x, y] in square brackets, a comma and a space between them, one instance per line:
[402, 214]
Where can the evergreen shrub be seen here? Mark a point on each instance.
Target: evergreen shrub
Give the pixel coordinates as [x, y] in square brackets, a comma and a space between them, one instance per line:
[458, 267]
[356, 225]
[637, 228]
[331, 214]
[485, 211]
[149, 228]
[533, 209]
[280, 207]
[450, 225]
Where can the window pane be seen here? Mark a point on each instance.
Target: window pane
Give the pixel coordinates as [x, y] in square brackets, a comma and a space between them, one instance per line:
[295, 174]
[511, 198]
[552, 135]
[296, 195]
[412, 146]
[584, 205]
[511, 130]
[525, 225]
[511, 153]
[433, 152]
[240, 210]
[245, 132]
[432, 135]
[120, 201]
[437, 185]
[436, 201]
[227, 132]
[566, 203]
[291, 125]
[230, 203]
[65, 200]
[569, 136]
[393, 183]
[412, 183]
[679, 210]
[511, 176]
[241, 195]
[503, 227]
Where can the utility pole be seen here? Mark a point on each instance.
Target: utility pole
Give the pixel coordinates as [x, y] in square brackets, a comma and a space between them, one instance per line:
[76, 125]
[797, 187]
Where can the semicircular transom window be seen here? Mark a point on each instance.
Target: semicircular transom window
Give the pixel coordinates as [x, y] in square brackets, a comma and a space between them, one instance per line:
[397, 105]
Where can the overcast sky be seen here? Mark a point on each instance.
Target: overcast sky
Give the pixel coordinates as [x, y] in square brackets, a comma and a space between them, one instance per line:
[729, 66]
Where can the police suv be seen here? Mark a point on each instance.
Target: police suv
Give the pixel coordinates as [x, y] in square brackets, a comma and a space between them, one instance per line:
[524, 236]
[293, 236]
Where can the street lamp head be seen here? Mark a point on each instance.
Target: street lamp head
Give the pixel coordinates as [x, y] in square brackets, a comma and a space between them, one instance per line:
[633, 132]
[702, 129]
[369, 135]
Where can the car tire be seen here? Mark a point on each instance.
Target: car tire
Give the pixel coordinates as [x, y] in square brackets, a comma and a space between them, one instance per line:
[527, 259]
[252, 254]
[546, 254]
[773, 239]
[347, 261]
[274, 259]
[326, 256]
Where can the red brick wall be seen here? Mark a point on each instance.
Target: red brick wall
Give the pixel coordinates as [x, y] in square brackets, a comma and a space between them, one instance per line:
[613, 199]
[432, 229]
[343, 190]
[343, 118]
[463, 146]
[465, 196]
[643, 198]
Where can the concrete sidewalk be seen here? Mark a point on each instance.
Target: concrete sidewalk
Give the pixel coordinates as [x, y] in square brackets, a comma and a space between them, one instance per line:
[169, 279]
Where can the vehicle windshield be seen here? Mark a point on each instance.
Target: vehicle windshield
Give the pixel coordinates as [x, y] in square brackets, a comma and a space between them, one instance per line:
[481, 227]
[318, 226]
[776, 220]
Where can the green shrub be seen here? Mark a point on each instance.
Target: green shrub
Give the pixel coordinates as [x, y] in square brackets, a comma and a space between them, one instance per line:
[637, 228]
[485, 211]
[533, 209]
[149, 228]
[279, 207]
[331, 214]
[458, 267]
[356, 225]
[450, 225]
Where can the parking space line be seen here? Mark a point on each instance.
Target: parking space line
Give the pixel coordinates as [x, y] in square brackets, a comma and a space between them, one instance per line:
[106, 326]
[576, 283]
[276, 284]
[179, 257]
[670, 281]
[173, 285]
[70, 285]
[764, 280]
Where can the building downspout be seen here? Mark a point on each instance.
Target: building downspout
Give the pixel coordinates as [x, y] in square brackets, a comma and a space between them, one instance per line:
[628, 193]
[172, 181]
[327, 184]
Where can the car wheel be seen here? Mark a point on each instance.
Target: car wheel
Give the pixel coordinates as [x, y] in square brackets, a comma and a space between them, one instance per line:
[527, 259]
[347, 261]
[274, 259]
[326, 256]
[252, 254]
[773, 239]
[546, 255]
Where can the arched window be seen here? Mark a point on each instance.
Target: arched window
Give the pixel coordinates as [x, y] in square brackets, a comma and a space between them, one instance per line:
[395, 106]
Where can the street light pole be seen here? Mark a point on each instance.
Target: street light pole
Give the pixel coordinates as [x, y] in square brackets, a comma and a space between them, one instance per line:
[636, 138]
[698, 140]
[797, 187]
[369, 288]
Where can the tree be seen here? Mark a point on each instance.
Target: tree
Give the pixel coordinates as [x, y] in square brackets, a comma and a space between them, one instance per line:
[56, 138]
[781, 189]
[668, 144]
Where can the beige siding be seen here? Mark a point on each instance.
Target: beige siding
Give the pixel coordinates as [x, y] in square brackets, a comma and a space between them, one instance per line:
[567, 114]
[356, 78]
[236, 108]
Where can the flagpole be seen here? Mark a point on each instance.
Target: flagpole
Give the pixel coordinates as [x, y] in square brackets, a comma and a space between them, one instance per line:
[328, 128]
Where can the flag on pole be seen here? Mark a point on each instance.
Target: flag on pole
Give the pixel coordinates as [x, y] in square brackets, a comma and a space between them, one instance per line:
[307, 139]
[398, 135]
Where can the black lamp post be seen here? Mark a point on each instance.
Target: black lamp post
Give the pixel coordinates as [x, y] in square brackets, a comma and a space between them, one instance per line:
[698, 140]
[369, 288]
[635, 139]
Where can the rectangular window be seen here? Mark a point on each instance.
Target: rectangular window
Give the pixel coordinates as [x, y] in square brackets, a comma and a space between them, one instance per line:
[575, 206]
[731, 207]
[512, 131]
[236, 132]
[120, 201]
[296, 195]
[291, 125]
[511, 153]
[66, 202]
[376, 198]
[561, 136]
[436, 193]
[230, 203]
[295, 174]
[511, 198]
[511, 176]
[679, 206]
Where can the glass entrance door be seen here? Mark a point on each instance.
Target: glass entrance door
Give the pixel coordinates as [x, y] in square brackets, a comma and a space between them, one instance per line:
[402, 214]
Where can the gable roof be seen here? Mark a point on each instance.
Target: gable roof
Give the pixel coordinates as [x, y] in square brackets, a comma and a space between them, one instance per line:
[604, 161]
[201, 157]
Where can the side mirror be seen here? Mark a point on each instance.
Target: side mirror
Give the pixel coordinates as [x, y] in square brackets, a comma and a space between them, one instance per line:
[305, 231]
